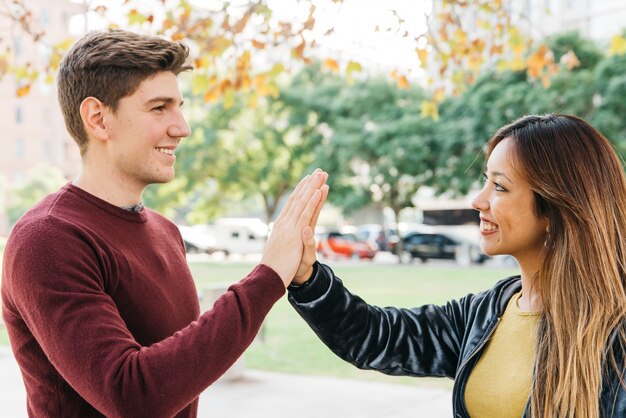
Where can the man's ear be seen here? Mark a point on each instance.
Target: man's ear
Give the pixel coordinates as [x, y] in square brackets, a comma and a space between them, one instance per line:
[92, 112]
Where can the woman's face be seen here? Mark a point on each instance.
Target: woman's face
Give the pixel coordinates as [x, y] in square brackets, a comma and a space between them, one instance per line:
[508, 220]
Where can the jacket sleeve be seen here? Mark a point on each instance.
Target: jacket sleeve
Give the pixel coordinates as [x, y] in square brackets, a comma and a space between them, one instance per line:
[423, 341]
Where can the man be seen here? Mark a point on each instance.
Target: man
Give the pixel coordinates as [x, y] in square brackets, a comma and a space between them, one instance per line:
[98, 300]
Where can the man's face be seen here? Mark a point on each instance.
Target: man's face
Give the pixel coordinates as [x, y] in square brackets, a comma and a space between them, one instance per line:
[145, 131]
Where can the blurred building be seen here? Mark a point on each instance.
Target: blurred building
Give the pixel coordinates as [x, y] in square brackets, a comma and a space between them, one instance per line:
[33, 128]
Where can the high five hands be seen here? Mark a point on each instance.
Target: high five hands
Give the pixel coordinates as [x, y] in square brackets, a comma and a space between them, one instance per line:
[290, 248]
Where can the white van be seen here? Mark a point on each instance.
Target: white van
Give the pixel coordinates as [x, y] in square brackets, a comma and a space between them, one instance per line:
[240, 235]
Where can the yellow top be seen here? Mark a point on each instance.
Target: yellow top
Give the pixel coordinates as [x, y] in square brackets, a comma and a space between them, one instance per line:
[499, 385]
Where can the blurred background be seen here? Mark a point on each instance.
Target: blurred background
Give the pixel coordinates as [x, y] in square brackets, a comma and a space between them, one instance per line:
[394, 99]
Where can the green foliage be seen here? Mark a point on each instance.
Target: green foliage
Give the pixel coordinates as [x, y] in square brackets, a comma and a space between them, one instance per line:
[370, 136]
[40, 182]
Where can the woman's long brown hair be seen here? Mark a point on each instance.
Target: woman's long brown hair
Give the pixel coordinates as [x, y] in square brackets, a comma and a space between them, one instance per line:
[579, 186]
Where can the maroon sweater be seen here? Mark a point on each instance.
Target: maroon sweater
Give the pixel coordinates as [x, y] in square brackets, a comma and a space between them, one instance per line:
[103, 315]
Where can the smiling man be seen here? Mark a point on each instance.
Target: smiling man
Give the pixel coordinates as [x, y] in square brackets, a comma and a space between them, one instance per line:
[98, 300]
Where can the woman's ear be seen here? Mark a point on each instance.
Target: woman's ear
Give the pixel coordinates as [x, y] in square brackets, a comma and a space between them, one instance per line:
[92, 113]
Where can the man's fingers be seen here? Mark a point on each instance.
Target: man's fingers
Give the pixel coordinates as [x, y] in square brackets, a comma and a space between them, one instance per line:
[307, 213]
[293, 195]
[302, 200]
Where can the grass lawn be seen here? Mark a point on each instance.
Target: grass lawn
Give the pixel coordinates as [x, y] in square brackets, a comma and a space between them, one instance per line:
[290, 346]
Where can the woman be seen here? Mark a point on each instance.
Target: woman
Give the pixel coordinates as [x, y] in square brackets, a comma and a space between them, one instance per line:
[550, 342]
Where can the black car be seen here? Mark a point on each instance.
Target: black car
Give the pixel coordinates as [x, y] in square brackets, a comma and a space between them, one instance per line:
[422, 246]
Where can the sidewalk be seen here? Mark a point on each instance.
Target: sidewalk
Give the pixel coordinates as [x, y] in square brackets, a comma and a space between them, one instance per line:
[265, 394]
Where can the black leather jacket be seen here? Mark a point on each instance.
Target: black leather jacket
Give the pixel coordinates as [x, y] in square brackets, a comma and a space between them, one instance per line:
[426, 341]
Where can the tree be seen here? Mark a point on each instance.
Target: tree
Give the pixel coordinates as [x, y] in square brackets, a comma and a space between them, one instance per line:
[41, 181]
[378, 148]
[243, 46]
[240, 153]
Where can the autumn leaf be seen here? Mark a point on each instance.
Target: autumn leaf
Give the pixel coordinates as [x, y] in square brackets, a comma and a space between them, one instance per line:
[136, 18]
[258, 44]
[422, 55]
[64, 45]
[539, 60]
[199, 83]
[353, 66]
[429, 109]
[298, 52]
[618, 45]
[22, 90]
[332, 65]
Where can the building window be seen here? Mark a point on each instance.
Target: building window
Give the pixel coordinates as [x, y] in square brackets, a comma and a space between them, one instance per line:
[19, 148]
[19, 116]
[44, 18]
[17, 46]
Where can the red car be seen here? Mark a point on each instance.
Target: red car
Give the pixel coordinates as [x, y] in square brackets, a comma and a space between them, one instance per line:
[335, 244]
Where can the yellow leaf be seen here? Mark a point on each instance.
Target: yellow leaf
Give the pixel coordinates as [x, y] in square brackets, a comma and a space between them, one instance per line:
[460, 36]
[49, 79]
[353, 66]
[422, 55]
[64, 45]
[136, 18]
[276, 69]
[429, 109]
[516, 41]
[200, 83]
[517, 63]
[503, 65]
[229, 99]
[201, 62]
[332, 65]
[618, 45]
[439, 95]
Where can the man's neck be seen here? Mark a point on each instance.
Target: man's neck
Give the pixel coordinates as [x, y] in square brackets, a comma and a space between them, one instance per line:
[108, 188]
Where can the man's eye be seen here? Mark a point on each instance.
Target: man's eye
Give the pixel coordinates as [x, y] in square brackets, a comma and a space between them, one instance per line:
[158, 108]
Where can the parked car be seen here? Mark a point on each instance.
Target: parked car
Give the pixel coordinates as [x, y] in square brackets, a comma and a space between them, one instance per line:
[374, 233]
[198, 239]
[424, 246]
[344, 244]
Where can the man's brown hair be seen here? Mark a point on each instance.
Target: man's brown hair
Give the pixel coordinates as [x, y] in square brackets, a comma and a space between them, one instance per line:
[110, 66]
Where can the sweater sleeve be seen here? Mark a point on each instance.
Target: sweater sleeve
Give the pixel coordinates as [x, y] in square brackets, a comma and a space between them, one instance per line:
[61, 297]
[422, 341]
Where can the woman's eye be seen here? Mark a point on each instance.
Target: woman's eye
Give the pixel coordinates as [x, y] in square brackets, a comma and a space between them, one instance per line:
[498, 187]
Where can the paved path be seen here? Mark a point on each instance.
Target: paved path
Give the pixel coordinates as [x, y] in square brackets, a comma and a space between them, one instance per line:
[276, 395]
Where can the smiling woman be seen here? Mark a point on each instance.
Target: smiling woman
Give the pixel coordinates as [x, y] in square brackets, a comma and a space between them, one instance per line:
[551, 340]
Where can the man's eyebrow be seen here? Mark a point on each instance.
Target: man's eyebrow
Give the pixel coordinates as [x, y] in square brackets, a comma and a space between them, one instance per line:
[163, 99]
